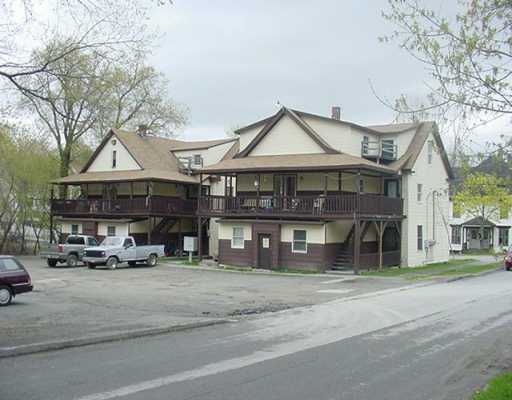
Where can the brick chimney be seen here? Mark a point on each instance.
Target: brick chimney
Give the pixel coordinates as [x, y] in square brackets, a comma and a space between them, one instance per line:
[142, 130]
[336, 112]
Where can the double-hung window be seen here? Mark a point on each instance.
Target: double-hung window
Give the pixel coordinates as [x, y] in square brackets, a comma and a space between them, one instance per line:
[299, 244]
[237, 240]
[74, 229]
[114, 159]
[420, 237]
[456, 235]
[419, 193]
[111, 230]
[430, 150]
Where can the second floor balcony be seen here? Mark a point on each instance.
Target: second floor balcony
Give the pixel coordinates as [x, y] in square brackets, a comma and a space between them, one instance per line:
[343, 205]
[139, 206]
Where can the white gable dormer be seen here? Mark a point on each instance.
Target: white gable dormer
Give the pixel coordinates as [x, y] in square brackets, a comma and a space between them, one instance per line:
[113, 156]
[286, 137]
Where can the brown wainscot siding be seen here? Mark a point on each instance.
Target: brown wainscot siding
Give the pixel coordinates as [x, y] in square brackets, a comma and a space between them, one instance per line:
[318, 257]
[241, 257]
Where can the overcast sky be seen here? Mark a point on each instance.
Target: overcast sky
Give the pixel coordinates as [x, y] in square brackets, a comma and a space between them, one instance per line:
[231, 62]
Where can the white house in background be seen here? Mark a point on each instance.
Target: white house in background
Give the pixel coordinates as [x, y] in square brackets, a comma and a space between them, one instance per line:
[142, 185]
[466, 232]
[318, 192]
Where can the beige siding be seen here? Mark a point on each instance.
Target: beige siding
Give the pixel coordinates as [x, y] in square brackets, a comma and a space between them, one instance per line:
[337, 231]
[121, 228]
[286, 137]
[432, 177]
[226, 229]
[210, 156]
[247, 137]
[103, 161]
[314, 233]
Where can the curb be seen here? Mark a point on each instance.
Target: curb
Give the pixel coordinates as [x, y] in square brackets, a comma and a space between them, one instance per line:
[32, 348]
[468, 276]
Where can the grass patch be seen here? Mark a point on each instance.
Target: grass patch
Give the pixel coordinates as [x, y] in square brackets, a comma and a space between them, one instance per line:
[193, 263]
[466, 266]
[499, 388]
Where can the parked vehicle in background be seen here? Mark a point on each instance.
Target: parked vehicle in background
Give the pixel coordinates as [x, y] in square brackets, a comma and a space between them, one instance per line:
[69, 252]
[120, 249]
[14, 279]
[508, 259]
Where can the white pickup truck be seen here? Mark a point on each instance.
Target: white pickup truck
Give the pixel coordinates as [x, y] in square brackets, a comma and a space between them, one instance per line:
[119, 249]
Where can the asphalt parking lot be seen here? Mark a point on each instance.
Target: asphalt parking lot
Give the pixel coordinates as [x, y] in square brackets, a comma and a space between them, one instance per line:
[76, 302]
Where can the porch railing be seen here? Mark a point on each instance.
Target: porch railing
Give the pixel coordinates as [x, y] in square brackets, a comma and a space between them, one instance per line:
[310, 205]
[136, 206]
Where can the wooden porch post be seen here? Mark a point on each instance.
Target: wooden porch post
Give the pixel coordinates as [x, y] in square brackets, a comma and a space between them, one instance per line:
[326, 183]
[339, 181]
[131, 190]
[180, 247]
[199, 220]
[357, 245]
[258, 192]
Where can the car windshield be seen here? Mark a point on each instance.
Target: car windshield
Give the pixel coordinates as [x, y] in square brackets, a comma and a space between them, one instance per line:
[112, 241]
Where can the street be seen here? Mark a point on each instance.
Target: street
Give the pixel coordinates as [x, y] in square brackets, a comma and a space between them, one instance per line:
[438, 341]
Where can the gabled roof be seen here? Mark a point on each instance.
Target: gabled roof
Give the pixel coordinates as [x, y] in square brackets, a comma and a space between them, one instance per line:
[409, 158]
[478, 221]
[153, 154]
[298, 120]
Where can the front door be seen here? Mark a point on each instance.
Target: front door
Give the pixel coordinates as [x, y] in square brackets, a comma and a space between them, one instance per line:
[264, 251]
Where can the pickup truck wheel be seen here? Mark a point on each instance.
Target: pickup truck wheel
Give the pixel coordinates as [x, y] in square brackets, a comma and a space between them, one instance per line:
[72, 260]
[91, 266]
[152, 260]
[5, 295]
[112, 263]
[51, 263]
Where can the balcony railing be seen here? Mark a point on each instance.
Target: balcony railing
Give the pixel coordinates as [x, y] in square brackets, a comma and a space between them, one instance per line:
[306, 206]
[155, 205]
[383, 150]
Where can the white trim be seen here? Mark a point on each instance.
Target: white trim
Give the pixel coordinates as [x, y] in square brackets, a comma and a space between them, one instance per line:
[233, 237]
[305, 242]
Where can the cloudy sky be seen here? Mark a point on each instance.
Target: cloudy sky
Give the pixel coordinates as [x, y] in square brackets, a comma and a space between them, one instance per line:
[231, 62]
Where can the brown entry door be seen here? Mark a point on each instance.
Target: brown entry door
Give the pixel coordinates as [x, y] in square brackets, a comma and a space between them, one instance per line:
[264, 251]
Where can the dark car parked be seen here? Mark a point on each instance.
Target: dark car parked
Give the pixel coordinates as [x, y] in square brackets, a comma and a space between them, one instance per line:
[14, 279]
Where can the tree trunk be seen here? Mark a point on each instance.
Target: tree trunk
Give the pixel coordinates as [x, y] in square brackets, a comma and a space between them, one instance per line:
[65, 161]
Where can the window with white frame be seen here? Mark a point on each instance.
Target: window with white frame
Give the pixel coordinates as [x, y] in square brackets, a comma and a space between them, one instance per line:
[114, 158]
[198, 160]
[111, 230]
[74, 229]
[237, 240]
[419, 237]
[456, 235]
[361, 185]
[299, 244]
[430, 149]
[419, 193]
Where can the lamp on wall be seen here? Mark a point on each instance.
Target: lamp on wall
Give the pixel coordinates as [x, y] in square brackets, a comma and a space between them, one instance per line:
[256, 183]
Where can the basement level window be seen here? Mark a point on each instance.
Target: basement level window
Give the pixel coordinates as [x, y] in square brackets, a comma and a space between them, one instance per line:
[419, 230]
[299, 244]
[237, 240]
[111, 230]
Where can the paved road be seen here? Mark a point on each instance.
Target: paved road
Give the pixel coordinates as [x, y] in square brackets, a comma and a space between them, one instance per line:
[431, 342]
